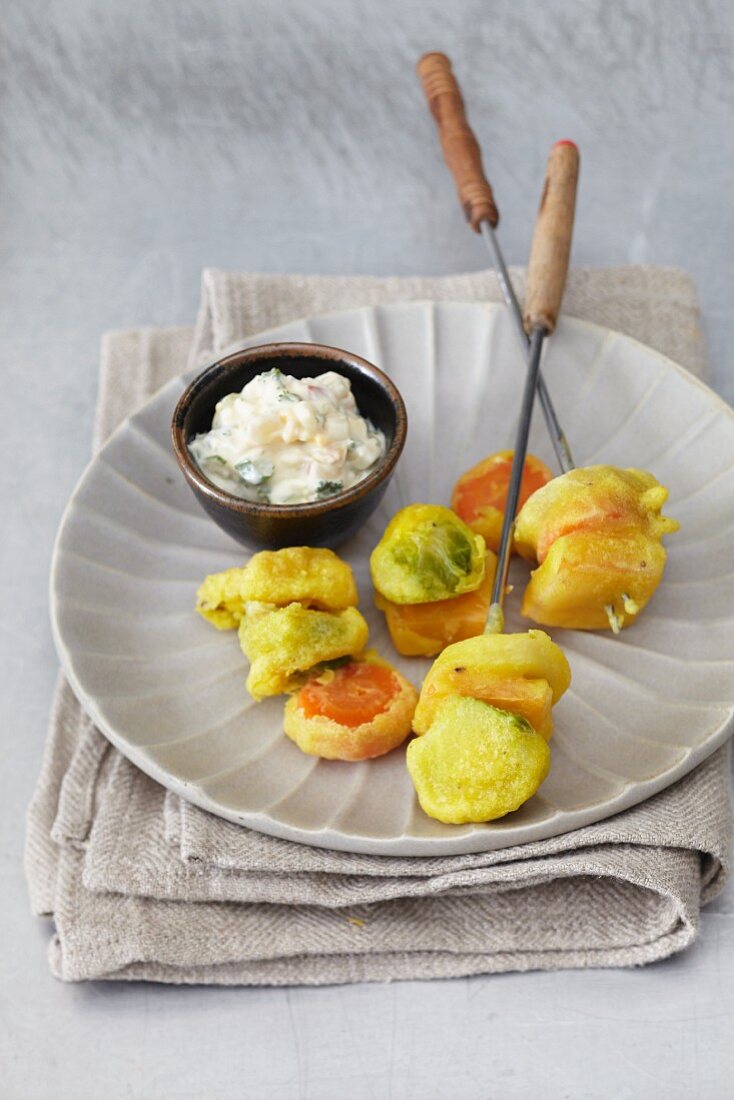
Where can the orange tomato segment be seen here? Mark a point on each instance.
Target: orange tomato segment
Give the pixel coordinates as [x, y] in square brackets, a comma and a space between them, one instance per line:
[355, 694]
[480, 494]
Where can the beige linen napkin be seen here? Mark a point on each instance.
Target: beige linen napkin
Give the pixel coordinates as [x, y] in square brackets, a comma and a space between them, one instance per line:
[143, 885]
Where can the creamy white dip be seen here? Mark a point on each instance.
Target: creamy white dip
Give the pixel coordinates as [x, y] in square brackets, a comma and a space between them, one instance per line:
[284, 440]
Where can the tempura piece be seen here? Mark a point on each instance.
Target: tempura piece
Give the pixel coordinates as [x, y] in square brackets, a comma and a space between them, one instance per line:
[358, 711]
[480, 494]
[286, 644]
[424, 629]
[591, 581]
[522, 673]
[476, 762]
[606, 499]
[220, 600]
[313, 577]
[596, 534]
[426, 554]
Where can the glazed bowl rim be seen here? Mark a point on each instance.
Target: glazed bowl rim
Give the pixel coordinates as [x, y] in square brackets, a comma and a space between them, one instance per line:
[295, 349]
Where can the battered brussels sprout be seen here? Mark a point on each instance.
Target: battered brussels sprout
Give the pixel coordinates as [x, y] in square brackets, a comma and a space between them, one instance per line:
[476, 763]
[522, 673]
[424, 629]
[296, 574]
[427, 553]
[286, 644]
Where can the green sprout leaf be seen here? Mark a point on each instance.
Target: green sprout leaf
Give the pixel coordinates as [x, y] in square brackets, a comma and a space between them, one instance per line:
[441, 557]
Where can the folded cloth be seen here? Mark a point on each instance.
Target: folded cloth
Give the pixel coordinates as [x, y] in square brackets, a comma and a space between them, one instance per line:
[142, 885]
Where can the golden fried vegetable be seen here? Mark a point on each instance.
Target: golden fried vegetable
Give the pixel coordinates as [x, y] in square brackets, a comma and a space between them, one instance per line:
[285, 644]
[480, 494]
[522, 673]
[591, 581]
[596, 534]
[220, 600]
[592, 498]
[476, 762]
[531, 699]
[424, 629]
[310, 576]
[426, 554]
[356, 712]
[314, 577]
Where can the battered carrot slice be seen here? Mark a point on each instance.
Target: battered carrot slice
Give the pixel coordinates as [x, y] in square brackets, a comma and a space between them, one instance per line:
[480, 494]
[355, 694]
[361, 710]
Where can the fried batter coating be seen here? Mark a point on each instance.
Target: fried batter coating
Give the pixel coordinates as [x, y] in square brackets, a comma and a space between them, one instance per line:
[480, 494]
[356, 712]
[314, 577]
[522, 673]
[590, 581]
[424, 629]
[596, 534]
[606, 499]
[476, 762]
[284, 644]
[427, 553]
[220, 599]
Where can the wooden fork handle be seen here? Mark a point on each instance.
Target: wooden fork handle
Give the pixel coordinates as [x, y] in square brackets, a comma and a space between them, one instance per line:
[460, 148]
[551, 247]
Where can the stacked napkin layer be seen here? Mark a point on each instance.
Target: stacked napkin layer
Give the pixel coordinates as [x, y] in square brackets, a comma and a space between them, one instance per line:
[143, 885]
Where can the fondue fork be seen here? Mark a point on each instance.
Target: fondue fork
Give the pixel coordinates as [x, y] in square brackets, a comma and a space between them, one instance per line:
[463, 157]
[547, 269]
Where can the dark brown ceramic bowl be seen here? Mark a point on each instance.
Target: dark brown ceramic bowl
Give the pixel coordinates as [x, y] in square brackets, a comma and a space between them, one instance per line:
[324, 522]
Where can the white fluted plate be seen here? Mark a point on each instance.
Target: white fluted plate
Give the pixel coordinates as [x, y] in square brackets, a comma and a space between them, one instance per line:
[169, 691]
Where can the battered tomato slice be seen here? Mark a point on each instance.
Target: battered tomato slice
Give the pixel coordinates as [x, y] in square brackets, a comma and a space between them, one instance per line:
[355, 694]
[485, 485]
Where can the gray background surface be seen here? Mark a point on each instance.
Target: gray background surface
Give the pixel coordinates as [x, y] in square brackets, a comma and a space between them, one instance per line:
[141, 141]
